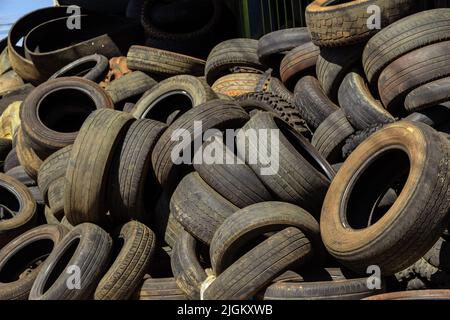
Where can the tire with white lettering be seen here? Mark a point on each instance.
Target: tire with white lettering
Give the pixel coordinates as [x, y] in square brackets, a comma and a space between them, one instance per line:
[85, 248]
[258, 267]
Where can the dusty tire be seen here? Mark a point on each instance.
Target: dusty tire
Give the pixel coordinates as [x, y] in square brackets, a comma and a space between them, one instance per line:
[86, 246]
[55, 197]
[217, 114]
[397, 238]
[303, 175]
[249, 224]
[11, 160]
[163, 63]
[126, 273]
[428, 95]
[170, 98]
[312, 103]
[131, 85]
[438, 255]
[357, 138]
[358, 104]
[83, 204]
[236, 84]
[413, 295]
[19, 174]
[28, 158]
[432, 116]
[20, 260]
[160, 289]
[331, 136]
[232, 54]
[93, 67]
[132, 182]
[198, 208]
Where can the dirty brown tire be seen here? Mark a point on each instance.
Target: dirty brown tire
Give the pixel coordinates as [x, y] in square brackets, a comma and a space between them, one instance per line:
[164, 63]
[53, 168]
[312, 103]
[186, 267]
[55, 196]
[20, 174]
[299, 62]
[254, 270]
[347, 22]
[411, 71]
[236, 84]
[357, 235]
[216, 114]
[126, 273]
[88, 170]
[132, 182]
[93, 67]
[428, 95]
[131, 85]
[230, 55]
[331, 136]
[413, 295]
[358, 104]
[403, 36]
[21, 260]
[439, 255]
[28, 158]
[273, 46]
[160, 289]
[198, 208]
[300, 176]
[50, 218]
[54, 112]
[249, 224]
[86, 246]
[231, 177]
[173, 230]
[170, 98]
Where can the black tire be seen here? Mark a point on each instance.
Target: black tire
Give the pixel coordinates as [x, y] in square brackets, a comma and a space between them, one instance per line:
[235, 181]
[439, 255]
[93, 67]
[126, 273]
[273, 46]
[160, 289]
[432, 116]
[357, 138]
[186, 267]
[170, 98]
[21, 260]
[163, 63]
[48, 124]
[89, 165]
[331, 136]
[248, 225]
[20, 174]
[18, 209]
[132, 182]
[303, 175]
[333, 65]
[254, 270]
[358, 104]
[173, 231]
[131, 85]
[276, 87]
[11, 160]
[232, 54]
[86, 246]
[198, 208]
[403, 36]
[430, 94]
[37, 196]
[286, 111]
[217, 114]
[312, 103]
[393, 240]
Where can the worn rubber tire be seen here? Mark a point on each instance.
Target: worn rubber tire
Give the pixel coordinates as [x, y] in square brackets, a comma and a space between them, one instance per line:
[247, 225]
[235, 181]
[345, 23]
[55, 197]
[258, 267]
[132, 182]
[403, 36]
[156, 103]
[410, 71]
[20, 174]
[28, 158]
[93, 67]
[232, 54]
[312, 103]
[357, 138]
[236, 84]
[273, 46]
[86, 246]
[303, 175]
[126, 273]
[89, 165]
[131, 85]
[217, 114]
[11, 160]
[198, 208]
[413, 295]
[410, 228]
[5, 148]
[50, 218]
[160, 289]
[358, 104]
[432, 116]
[19, 260]
[439, 255]
[331, 136]
[173, 231]
[428, 95]
[299, 62]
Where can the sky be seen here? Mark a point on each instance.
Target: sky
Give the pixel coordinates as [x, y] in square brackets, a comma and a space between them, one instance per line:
[12, 10]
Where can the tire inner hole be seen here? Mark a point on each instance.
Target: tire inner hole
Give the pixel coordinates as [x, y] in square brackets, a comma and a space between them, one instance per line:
[79, 70]
[9, 204]
[169, 107]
